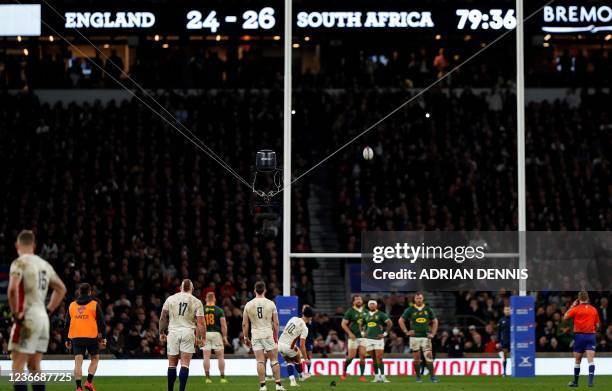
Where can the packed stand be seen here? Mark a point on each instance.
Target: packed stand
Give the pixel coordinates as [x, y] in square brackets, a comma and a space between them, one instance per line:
[139, 209]
[194, 67]
[474, 325]
[479, 312]
[449, 162]
[121, 201]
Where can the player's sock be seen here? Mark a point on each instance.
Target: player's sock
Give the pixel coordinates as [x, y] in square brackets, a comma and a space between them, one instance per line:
[347, 362]
[504, 361]
[430, 367]
[20, 387]
[38, 387]
[291, 371]
[79, 383]
[90, 377]
[576, 372]
[381, 368]
[207, 373]
[299, 369]
[591, 372]
[361, 367]
[417, 369]
[183, 376]
[171, 378]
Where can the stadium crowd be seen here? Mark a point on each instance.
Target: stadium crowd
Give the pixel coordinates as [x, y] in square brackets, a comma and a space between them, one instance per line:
[120, 201]
[154, 66]
[449, 163]
[139, 209]
[480, 311]
[475, 328]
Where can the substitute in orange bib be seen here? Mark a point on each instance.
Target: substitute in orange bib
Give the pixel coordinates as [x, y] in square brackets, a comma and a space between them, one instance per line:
[586, 323]
[86, 333]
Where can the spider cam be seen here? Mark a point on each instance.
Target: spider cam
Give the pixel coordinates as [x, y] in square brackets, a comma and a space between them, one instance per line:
[267, 183]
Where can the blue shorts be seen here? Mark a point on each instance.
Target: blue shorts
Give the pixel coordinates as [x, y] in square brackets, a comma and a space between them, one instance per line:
[309, 345]
[584, 342]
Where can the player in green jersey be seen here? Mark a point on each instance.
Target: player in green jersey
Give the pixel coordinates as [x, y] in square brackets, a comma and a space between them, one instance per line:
[377, 326]
[352, 324]
[420, 317]
[216, 336]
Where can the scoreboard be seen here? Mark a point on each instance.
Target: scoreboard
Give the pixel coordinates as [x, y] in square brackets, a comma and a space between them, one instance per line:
[309, 17]
[196, 20]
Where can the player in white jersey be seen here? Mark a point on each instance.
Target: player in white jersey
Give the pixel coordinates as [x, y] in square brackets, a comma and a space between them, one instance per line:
[30, 280]
[180, 324]
[293, 341]
[261, 317]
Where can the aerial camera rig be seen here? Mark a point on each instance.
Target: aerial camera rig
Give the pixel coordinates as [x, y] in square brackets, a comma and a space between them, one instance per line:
[266, 209]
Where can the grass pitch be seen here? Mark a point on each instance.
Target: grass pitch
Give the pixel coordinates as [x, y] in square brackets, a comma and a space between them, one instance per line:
[324, 383]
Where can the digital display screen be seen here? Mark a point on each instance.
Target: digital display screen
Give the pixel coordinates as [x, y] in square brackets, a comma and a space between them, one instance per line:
[19, 19]
[266, 18]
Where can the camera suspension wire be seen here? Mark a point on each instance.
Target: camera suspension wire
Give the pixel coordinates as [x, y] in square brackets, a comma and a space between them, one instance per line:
[278, 182]
[412, 99]
[185, 132]
[267, 196]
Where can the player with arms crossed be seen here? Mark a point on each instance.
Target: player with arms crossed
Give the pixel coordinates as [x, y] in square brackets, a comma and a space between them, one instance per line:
[377, 327]
[261, 316]
[352, 325]
[420, 316]
[293, 341]
[586, 323]
[85, 332]
[216, 336]
[29, 281]
[503, 337]
[181, 319]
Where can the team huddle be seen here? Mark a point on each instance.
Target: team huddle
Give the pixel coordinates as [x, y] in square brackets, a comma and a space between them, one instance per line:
[186, 324]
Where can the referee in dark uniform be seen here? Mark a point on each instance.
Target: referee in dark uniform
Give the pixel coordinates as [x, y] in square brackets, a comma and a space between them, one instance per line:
[503, 336]
[85, 332]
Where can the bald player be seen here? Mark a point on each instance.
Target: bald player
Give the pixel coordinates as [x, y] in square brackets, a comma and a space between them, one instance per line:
[180, 324]
[30, 279]
[261, 317]
[423, 328]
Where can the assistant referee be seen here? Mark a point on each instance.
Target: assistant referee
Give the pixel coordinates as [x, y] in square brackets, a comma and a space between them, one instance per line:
[85, 332]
